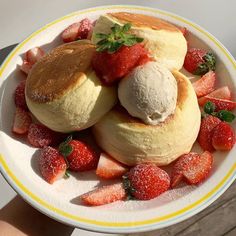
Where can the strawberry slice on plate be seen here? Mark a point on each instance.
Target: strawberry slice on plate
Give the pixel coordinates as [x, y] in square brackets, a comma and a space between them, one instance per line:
[222, 93]
[205, 85]
[104, 195]
[52, 165]
[109, 168]
[221, 104]
[22, 121]
[26, 67]
[205, 133]
[192, 167]
[223, 138]
[85, 29]
[70, 34]
[34, 54]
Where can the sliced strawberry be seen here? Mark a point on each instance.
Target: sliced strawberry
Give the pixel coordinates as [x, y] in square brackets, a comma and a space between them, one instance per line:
[205, 133]
[221, 104]
[70, 34]
[82, 157]
[223, 138]
[19, 96]
[109, 168]
[104, 195]
[222, 93]
[192, 167]
[205, 85]
[22, 121]
[41, 136]
[26, 67]
[34, 54]
[84, 29]
[52, 165]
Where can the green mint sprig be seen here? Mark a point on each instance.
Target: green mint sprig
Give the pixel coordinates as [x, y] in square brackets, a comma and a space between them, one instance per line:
[224, 115]
[116, 39]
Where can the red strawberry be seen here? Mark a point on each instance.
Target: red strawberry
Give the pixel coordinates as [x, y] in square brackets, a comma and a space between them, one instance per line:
[22, 121]
[70, 34]
[223, 138]
[199, 62]
[82, 157]
[146, 181]
[41, 136]
[205, 85]
[34, 54]
[104, 195]
[192, 167]
[221, 104]
[222, 93]
[184, 31]
[111, 67]
[52, 165]
[19, 96]
[109, 168]
[26, 67]
[205, 134]
[84, 29]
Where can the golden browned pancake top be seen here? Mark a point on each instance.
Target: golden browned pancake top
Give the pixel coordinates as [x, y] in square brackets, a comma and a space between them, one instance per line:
[182, 85]
[140, 20]
[59, 71]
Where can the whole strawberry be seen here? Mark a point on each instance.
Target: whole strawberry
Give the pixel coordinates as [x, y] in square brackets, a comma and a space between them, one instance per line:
[52, 165]
[19, 96]
[223, 138]
[79, 155]
[146, 181]
[199, 61]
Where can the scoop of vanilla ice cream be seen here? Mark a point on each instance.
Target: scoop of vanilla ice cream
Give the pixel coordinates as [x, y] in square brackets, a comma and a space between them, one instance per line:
[149, 92]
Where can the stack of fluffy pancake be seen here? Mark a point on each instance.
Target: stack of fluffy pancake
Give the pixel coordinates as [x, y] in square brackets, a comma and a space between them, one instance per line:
[64, 93]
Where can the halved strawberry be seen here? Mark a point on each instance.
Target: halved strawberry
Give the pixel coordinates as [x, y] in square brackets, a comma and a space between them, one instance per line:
[26, 67]
[104, 195]
[223, 138]
[70, 34]
[192, 167]
[221, 104]
[222, 93]
[22, 121]
[34, 54]
[205, 85]
[41, 136]
[84, 29]
[52, 165]
[109, 168]
[205, 133]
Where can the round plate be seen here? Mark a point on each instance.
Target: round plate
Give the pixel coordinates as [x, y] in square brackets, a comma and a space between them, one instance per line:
[60, 200]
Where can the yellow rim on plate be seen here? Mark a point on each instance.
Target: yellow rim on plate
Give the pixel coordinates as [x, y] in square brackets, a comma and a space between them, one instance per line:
[44, 204]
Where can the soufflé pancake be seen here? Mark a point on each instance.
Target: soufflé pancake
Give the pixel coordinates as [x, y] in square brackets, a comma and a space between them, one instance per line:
[164, 41]
[64, 93]
[131, 142]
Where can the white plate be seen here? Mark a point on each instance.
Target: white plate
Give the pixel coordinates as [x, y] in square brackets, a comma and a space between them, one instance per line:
[19, 165]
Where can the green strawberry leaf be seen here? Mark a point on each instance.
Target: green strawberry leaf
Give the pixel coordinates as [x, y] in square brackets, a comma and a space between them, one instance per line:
[65, 149]
[225, 115]
[209, 107]
[116, 39]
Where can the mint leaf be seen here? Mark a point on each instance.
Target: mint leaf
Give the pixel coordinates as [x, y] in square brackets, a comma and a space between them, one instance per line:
[209, 107]
[225, 115]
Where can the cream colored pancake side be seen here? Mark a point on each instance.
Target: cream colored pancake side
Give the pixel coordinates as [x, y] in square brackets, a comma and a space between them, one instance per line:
[130, 141]
[164, 41]
[64, 93]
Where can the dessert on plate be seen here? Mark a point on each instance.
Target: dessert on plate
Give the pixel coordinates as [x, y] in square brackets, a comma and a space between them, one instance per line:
[120, 76]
